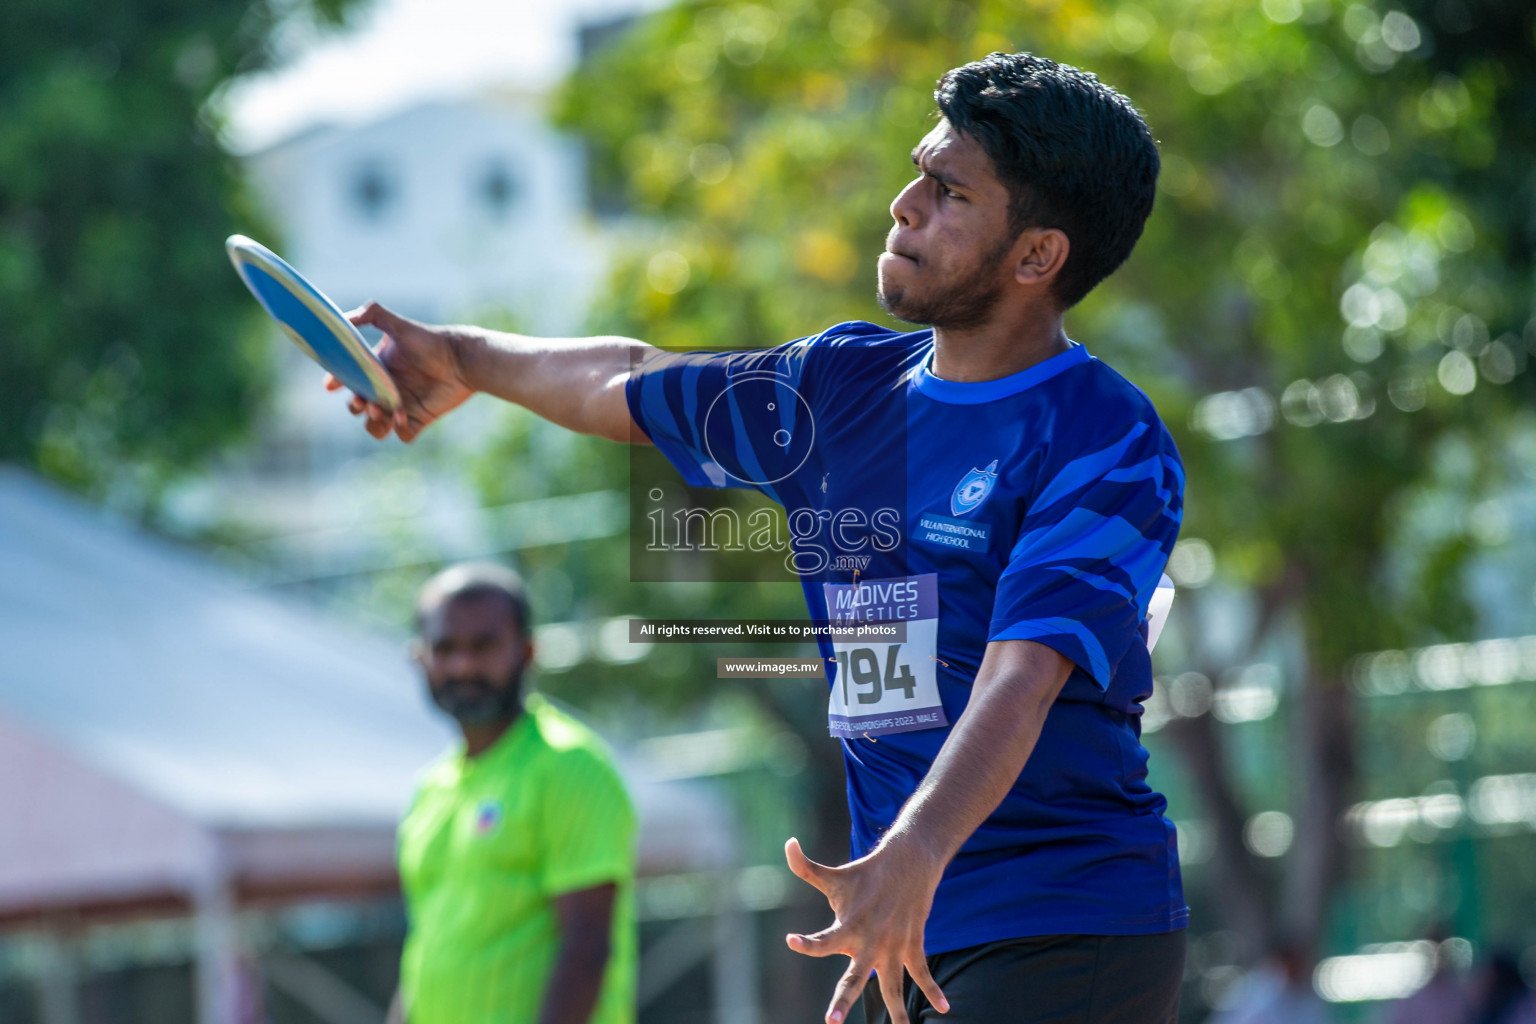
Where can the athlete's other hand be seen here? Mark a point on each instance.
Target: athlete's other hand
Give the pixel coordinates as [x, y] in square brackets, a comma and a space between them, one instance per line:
[424, 364]
[880, 902]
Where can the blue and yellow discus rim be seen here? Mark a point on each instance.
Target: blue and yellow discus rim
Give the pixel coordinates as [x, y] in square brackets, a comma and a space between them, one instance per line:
[298, 304]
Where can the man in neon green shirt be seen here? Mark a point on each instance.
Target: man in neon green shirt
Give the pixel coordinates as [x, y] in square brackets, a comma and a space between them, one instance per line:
[517, 853]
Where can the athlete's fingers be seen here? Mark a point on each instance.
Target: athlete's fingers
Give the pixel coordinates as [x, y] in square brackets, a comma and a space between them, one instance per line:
[378, 422]
[849, 987]
[407, 426]
[917, 966]
[375, 315]
[358, 405]
[806, 869]
[827, 942]
[890, 991]
[363, 315]
[332, 382]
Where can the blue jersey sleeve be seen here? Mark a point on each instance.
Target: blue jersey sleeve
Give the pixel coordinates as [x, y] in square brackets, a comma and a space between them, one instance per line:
[1091, 550]
[727, 419]
[745, 419]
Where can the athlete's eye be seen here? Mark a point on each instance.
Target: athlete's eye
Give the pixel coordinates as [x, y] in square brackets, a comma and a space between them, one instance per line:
[944, 190]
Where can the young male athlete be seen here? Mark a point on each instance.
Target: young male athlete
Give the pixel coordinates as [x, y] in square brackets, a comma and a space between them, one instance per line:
[1016, 500]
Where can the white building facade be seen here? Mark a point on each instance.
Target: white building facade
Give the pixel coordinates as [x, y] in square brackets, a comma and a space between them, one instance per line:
[442, 211]
[472, 210]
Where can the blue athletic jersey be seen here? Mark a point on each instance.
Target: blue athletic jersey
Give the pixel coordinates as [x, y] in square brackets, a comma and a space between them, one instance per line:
[1040, 506]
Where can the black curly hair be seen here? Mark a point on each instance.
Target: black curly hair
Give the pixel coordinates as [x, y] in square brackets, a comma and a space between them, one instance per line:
[1073, 153]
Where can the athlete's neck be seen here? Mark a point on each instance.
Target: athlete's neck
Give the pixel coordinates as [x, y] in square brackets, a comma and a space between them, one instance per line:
[481, 737]
[998, 348]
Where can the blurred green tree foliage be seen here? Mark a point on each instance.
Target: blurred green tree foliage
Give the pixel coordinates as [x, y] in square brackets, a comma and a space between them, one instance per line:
[1334, 287]
[125, 343]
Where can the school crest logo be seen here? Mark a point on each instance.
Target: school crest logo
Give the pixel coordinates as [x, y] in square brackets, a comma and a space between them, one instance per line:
[973, 489]
[487, 816]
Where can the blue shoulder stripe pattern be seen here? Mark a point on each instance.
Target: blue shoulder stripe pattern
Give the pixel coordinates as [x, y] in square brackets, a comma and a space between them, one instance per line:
[688, 385]
[746, 456]
[1155, 469]
[1098, 581]
[1085, 536]
[1083, 471]
[1139, 506]
[1134, 575]
[1034, 629]
[1078, 534]
[655, 417]
[658, 410]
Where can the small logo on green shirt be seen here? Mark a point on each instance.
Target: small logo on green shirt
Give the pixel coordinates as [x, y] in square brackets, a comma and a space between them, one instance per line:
[487, 817]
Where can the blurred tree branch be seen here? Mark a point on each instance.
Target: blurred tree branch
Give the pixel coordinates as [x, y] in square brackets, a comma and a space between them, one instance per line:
[128, 348]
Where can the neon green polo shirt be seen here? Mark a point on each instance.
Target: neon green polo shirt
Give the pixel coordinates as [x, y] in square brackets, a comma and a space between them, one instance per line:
[486, 846]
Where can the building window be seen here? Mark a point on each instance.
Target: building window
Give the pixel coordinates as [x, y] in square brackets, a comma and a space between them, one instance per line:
[495, 188]
[373, 190]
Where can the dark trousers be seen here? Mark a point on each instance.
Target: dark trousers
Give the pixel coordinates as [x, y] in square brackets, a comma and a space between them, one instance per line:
[1051, 979]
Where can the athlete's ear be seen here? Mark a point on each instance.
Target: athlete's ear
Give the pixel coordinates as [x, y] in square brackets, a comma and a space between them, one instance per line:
[1039, 255]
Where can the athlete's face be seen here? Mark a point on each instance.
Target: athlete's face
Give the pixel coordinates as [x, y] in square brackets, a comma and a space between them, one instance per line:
[474, 653]
[947, 256]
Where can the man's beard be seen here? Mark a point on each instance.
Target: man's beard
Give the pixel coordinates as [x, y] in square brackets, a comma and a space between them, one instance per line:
[474, 701]
[960, 306]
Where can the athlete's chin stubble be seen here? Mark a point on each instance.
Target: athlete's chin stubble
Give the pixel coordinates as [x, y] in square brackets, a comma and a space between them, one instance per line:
[959, 305]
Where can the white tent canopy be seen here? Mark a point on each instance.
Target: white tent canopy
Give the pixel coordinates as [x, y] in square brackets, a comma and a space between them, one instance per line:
[149, 705]
[172, 739]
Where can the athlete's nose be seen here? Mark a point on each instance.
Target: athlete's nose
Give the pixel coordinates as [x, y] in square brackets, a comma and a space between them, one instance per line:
[456, 663]
[905, 208]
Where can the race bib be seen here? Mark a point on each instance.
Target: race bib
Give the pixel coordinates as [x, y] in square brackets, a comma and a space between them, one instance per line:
[880, 687]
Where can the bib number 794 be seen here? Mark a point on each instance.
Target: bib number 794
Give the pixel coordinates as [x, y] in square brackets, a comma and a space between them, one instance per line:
[861, 666]
[878, 687]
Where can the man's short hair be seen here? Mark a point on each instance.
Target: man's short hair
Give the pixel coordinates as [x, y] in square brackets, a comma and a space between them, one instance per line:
[1073, 153]
[475, 579]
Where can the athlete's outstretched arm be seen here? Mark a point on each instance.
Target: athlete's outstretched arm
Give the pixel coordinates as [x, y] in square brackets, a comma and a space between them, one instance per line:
[882, 900]
[575, 382]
